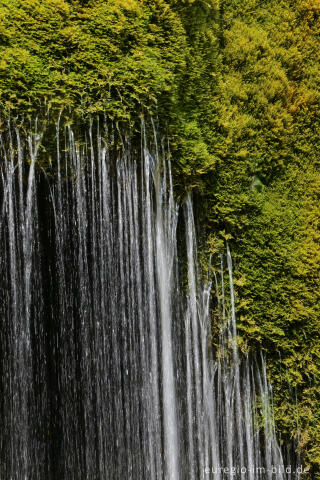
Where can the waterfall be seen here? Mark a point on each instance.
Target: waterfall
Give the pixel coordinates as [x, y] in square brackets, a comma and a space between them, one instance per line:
[107, 364]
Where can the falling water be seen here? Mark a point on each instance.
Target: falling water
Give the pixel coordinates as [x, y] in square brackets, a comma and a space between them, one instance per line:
[108, 369]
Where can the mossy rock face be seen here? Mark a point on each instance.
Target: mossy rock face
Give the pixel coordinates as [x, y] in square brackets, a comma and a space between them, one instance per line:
[234, 86]
[104, 56]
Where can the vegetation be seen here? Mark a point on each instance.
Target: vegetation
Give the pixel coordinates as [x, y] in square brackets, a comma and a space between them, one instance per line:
[102, 56]
[236, 86]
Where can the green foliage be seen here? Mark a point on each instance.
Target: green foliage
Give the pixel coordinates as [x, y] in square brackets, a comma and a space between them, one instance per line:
[263, 193]
[108, 56]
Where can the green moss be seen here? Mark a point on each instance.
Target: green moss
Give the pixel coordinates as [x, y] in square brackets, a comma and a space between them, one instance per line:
[109, 56]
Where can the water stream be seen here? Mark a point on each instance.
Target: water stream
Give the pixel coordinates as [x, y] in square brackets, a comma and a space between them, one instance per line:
[107, 366]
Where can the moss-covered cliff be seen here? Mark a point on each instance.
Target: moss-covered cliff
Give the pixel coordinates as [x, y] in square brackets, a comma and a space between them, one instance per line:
[235, 85]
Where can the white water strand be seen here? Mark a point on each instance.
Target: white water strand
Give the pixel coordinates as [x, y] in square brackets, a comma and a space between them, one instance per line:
[165, 231]
[21, 305]
[228, 435]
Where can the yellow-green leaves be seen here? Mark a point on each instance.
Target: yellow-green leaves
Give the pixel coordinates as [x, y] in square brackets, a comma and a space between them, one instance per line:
[76, 55]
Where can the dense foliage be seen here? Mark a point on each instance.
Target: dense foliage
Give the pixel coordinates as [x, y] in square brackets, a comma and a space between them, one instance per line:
[90, 56]
[236, 86]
